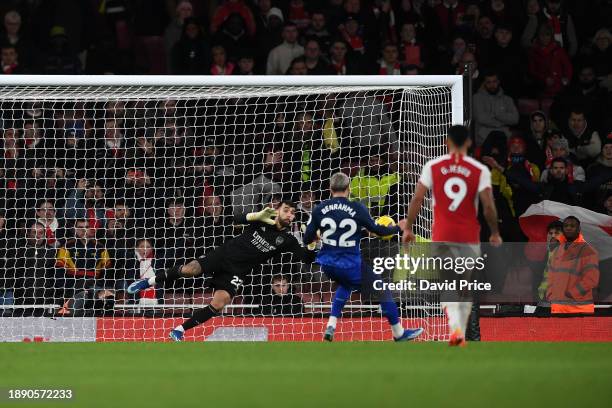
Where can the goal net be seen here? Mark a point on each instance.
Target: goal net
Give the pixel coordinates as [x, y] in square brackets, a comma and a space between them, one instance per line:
[110, 179]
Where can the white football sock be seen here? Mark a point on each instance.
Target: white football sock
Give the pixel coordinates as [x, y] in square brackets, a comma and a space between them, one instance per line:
[333, 320]
[397, 330]
[453, 313]
[180, 328]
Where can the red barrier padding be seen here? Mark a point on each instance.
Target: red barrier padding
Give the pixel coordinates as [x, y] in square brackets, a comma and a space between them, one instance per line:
[310, 329]
[546, 329]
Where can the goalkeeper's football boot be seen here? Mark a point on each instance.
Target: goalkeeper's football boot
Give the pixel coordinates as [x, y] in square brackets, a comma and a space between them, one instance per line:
[409, 334]
[457, 339]
[329, 333]
[137, 286]
[176, 335]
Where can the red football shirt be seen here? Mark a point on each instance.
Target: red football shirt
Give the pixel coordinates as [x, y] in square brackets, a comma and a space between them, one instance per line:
[455, 182]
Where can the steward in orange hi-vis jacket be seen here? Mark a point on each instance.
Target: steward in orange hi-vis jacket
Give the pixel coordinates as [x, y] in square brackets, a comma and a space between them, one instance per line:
[573, 272]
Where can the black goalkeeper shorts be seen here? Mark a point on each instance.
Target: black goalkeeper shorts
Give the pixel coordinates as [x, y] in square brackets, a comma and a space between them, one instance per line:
[225, 275]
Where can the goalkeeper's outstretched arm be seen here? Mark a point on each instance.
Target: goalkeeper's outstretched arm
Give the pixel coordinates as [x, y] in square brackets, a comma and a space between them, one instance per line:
[267, 216]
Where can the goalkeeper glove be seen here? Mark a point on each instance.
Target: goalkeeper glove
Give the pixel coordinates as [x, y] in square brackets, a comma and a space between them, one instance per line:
[267, 215]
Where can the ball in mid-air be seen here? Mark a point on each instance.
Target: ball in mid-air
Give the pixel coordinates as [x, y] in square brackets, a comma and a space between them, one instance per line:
[386, 221]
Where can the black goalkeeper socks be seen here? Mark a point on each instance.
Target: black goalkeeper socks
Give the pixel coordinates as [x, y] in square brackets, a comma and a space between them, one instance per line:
[200, 316]
[168, 276]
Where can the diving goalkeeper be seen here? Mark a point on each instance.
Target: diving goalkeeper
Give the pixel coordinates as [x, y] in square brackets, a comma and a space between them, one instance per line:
[266, 236]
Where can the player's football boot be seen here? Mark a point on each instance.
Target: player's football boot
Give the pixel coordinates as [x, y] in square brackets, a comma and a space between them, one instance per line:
[457, 339]
[176, 335]
[409, 334]
[329, 333]
[137, 286]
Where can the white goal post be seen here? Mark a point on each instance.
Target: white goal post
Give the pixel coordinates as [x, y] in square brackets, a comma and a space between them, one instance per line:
[110, 178]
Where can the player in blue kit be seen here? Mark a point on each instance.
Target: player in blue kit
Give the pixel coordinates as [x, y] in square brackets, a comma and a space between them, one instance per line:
[340, 223]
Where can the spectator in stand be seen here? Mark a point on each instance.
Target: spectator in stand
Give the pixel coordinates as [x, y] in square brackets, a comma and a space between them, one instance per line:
[268, 38]
[45, 216]
[315, 62]
[80, 263]
[298, 66]
[505, 58]
[549, 64]
[280, 57]
[252, 196]
[367, 123]
[584, 141]
[191, 54]
[412, 51]
[494, 153]
[536, 138]
[521, 175]
[14, 35]
[84, 201]
[261, 14]
[560, 149]
[389, 64]
[183, 11]
[451, 61]
[485, 30]
[584, 92]
[227, 8]
[540, 281]
[352, 32]
[343, 62]
[556, 185]
[371, 186]
[214, 223]
[29, 265]
[447, 16]
[318, 30]
[551, 136]
[136, 188]
[177, 236]
[114, 141]
[502, 13]
[599, 176]
[11, 144]
[59, 57]
[139, 264]
[10, 61]
[298, 13]
[233, 37]
[281, 302]
[410, 11]
[555, 16]
[220, 64]
[493, 110]
[305, 153]
[469, 59]
[245, 65]
[600, 56]
[532, 10]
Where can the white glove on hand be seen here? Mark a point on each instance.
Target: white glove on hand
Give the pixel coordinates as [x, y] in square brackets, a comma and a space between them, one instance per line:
[267, 215]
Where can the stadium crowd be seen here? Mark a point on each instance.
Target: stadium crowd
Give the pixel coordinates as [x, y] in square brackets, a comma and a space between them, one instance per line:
[110, 192]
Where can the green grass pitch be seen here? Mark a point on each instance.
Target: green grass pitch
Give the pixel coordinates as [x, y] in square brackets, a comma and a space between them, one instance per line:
[416, 375]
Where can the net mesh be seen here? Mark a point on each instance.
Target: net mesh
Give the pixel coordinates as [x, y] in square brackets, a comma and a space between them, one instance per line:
[104, 185]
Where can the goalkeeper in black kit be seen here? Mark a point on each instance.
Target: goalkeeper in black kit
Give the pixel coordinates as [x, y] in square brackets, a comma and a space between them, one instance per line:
[266, 236]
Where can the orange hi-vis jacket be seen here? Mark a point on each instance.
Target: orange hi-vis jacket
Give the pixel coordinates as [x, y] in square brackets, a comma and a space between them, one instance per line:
[573, 273]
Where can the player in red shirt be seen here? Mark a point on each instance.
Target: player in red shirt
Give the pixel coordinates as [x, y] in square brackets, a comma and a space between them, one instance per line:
[456, 182]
